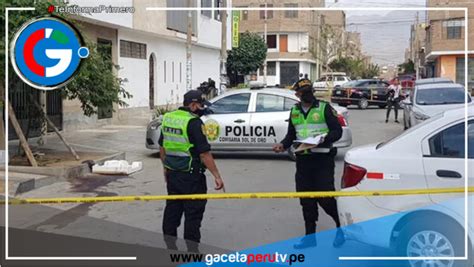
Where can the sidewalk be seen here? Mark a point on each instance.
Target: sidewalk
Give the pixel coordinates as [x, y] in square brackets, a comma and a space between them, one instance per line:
[58, 164]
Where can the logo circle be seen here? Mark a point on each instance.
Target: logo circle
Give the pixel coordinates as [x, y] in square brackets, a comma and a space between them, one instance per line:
[47, 52]
[211, 130]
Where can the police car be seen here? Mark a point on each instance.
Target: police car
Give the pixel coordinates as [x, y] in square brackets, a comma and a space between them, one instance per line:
[427, 156]
[250, 120]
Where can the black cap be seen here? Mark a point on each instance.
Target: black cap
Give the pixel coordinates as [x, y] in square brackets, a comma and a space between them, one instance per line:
[302, 84]
[195, 96]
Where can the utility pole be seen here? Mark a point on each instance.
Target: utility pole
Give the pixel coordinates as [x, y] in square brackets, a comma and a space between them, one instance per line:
[223, 76]
[318, 45]
[265, 34]
[417, 48]
[189, 39]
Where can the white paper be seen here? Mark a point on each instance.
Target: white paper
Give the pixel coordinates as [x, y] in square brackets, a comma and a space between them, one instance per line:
[318, 139]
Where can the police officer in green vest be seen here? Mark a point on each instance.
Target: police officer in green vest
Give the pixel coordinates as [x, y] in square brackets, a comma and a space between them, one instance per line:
[185, 154]
[314, 166]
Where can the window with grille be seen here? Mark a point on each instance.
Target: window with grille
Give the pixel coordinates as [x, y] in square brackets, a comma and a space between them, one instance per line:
[453, 28]
[291, 13]
[269, 12]
[132, 49]
[271, 68]
[207, 4]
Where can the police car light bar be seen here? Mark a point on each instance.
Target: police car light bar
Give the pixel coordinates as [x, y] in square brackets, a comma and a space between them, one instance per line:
[256, 85]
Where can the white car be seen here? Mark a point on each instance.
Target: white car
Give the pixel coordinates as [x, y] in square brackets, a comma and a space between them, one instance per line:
[406, 103]
[430, 99]
[427, 156]
[331, 80]
[250, 120]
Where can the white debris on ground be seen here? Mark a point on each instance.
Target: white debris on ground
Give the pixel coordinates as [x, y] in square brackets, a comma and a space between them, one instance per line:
[117, 167]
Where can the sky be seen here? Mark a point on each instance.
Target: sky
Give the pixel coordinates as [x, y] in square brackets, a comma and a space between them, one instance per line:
[384, 34]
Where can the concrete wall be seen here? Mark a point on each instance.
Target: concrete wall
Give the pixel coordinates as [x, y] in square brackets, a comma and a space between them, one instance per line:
[205, 64]
[437, 40]
[122, 19]
[73, 116]
[305, 68]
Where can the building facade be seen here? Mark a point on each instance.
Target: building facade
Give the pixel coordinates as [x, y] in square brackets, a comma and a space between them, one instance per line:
[445, 42]
[149, 48]
[291, 38]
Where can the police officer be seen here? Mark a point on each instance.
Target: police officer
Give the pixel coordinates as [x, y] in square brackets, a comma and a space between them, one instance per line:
[314, 167]
[185, 154]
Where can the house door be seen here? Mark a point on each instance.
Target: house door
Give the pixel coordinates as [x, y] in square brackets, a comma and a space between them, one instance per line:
[289, 72]
[151, 69]
[283, 43]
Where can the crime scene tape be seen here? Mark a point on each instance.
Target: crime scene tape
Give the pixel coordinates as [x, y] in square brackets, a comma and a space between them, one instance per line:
[257, 195]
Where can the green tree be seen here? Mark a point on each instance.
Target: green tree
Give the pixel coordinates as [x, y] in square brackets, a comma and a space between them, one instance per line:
[407, 67]
[95, 84]
[249, 56]
[355, 68]
[371, 71]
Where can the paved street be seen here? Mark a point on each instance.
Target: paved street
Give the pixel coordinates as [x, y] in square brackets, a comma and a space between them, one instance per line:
[229, 224]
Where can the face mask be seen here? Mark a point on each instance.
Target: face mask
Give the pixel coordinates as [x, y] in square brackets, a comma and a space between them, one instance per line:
[201, 111]
[307, 96]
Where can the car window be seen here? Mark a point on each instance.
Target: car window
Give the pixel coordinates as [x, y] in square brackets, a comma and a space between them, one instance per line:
[362, 84]
[440, 96]
[237, 103]
[270, 103]
[289, 103]
[329, 78]
[340, 78]
[449, 143]
[322, 79]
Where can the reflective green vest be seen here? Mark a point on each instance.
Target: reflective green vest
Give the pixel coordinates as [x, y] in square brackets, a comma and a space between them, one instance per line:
[174, 129]
[312, 125]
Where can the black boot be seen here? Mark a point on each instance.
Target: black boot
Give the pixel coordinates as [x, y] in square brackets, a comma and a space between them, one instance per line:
[340, 239]
[193, 247]
[170, 242]
[309, 240]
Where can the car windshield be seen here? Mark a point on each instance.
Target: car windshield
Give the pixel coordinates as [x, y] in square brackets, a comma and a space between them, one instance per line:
[411, 129]
[441, 96]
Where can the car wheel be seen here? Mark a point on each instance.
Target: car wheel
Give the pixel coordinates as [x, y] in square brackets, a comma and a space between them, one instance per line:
[383, 106]
[343, 105]
[291, 153]
[436, 239]
[363, 103]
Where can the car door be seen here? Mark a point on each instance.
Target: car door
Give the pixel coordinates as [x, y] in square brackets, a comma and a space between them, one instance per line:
[269, 121]
[444, 161]
[380, 93]
[228, 122]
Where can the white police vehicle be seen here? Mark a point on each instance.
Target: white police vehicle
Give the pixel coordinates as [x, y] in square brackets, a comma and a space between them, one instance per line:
[250, 120]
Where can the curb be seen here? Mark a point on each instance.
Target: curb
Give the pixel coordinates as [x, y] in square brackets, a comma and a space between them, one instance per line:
[50, 175]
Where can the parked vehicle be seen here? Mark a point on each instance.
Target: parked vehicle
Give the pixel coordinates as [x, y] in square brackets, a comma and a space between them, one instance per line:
[331, 80]
[431, 99]
[430, 155]
[406, 103]
[250, 120]
[362, 93]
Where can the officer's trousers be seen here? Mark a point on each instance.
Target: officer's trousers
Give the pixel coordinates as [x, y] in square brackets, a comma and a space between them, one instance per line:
[315, 172]
[193, 210]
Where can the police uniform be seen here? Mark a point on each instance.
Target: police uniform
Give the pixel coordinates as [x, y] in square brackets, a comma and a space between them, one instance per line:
[183, 139]
[315, 167]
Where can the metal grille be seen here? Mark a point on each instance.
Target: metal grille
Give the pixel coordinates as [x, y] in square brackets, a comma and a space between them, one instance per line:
[26, 112]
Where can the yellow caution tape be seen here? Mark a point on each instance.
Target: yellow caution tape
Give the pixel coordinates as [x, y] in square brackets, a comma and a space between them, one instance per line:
[257, 195]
